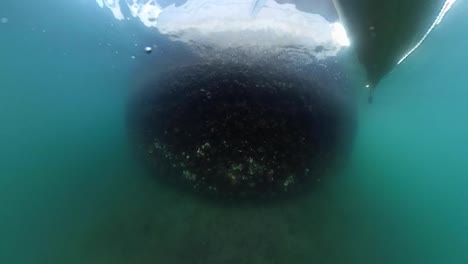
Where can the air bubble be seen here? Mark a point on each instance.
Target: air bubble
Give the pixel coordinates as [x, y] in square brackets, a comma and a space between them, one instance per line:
[148, 50]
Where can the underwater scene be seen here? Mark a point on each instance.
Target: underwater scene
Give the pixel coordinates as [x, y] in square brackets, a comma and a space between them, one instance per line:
[234, 131]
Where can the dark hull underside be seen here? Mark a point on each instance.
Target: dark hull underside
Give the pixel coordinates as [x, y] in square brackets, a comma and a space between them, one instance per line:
[241, 130]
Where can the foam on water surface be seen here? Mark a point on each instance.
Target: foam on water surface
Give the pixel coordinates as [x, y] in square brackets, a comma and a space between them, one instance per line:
[237, 23]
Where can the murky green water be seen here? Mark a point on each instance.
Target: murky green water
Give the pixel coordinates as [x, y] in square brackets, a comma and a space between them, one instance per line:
[72, 192]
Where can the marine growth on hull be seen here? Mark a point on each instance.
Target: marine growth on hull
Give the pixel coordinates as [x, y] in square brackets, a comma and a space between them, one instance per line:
[243, 128]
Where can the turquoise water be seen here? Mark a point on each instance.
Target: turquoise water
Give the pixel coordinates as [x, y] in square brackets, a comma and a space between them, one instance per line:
[71, 191]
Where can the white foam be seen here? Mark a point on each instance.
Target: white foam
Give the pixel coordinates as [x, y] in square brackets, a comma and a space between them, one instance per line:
[114, 6]
[148, 12]
[238, 23]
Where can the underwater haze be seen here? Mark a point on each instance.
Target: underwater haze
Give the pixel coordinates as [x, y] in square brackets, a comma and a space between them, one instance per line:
[72, 191]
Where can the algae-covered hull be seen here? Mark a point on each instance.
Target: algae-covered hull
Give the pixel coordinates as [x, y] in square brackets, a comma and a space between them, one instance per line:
[244, 129]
